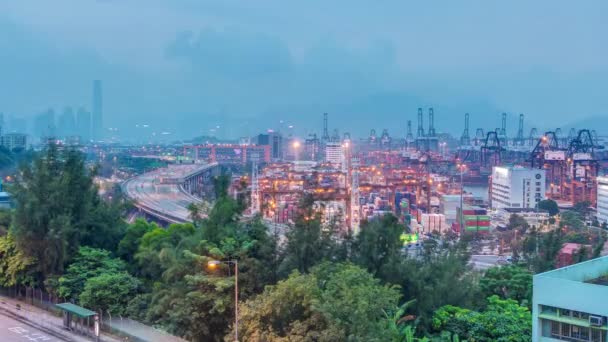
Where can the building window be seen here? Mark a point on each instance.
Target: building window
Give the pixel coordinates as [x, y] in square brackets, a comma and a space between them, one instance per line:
[554, 328]
[575, 333]
[565, 329]
[596, 335]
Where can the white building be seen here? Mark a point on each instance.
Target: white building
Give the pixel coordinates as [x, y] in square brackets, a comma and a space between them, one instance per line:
[334, 153]
[602, 199]
[517, 187]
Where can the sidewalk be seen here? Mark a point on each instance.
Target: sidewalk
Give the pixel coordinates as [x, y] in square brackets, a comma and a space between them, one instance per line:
[44, 320]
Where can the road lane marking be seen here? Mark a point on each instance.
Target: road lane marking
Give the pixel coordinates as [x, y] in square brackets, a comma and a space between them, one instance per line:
[30, 337]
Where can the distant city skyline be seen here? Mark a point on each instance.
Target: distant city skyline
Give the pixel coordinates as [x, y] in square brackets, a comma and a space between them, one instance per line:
[185, 67]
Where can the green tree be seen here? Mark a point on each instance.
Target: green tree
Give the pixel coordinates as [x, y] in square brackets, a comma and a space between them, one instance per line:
[87, 264]
[335, 302]
[549, 206]
[517, 222]
[541, 249]
[159, 242]
[441, 276]
[109, 292]
[598, 247]
[223, 218]
[6, 216]
[508, 282]
[503, 320]
[15, 267]
[571, 220]
[308, 242]
[189, 299]
[58, 209]
[378, 243]
[582, 208]
[127, 248]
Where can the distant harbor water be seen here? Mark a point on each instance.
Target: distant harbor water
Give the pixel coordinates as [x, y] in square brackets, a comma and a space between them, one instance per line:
[477, 190]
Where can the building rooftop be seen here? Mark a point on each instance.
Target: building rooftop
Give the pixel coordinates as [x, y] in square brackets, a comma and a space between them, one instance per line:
[583, 272]
[603, 280]
[570, 248]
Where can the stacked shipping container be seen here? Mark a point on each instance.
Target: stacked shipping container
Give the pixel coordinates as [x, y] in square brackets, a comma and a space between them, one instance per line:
[476, 219]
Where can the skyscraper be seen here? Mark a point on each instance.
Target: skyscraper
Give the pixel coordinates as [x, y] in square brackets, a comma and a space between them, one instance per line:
[83, 124]
[97, 124]
[44, 124]
[67, 123]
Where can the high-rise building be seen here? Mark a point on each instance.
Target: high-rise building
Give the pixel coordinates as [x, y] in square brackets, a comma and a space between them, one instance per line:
[15, 124]
[275, 141]
[569, 303]
[602, 199]
[517, 187]
[83, 124]
[44, 124]
[66, 125]
[97, 123]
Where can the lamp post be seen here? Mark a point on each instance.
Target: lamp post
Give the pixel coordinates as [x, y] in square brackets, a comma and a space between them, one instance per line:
[213, 264]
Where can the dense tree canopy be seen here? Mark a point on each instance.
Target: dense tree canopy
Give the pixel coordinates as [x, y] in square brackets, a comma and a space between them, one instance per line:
[87, 264]
[508, 282]
[15, 267]
[501, 321]
[550, 206]
[109, 292]
[335, 302]
[308, 240]
[58, 209]
[378, 243]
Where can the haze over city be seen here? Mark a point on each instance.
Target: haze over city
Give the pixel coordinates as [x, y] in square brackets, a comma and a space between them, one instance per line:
[186, 67]
[319, 171]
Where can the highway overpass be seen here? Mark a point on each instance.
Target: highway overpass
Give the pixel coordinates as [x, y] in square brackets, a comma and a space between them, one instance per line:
[165, 194]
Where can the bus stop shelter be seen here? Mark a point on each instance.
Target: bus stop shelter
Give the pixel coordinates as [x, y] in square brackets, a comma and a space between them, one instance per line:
[77, 318]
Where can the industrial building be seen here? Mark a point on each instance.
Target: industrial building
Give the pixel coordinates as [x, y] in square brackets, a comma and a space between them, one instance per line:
[334, 153]
[517, 187]
[602, 199]
[571, 303]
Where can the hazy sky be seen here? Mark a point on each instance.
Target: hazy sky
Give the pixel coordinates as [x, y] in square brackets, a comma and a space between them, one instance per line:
[187, 66]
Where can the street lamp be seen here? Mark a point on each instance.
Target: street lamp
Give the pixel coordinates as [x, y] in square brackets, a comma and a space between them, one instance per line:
[212, 264]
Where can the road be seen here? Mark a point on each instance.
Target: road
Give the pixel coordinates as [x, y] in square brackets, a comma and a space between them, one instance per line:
[148, 191]
[15, 331]
[483, 262]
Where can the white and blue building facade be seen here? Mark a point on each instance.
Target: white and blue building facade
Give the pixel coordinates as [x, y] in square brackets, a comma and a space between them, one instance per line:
[571, 303]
